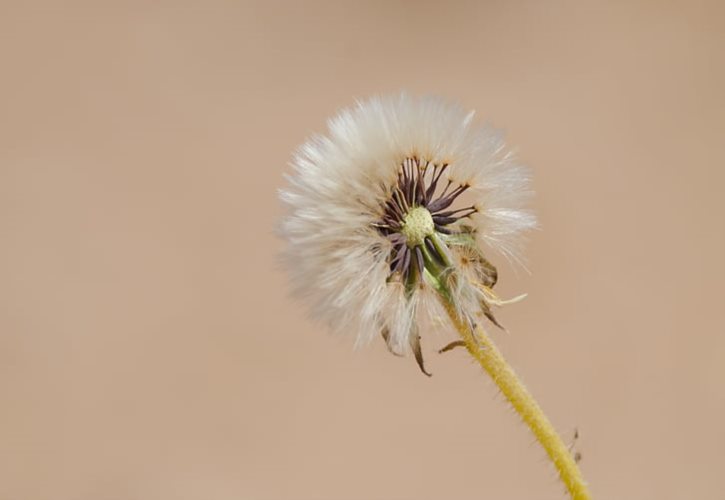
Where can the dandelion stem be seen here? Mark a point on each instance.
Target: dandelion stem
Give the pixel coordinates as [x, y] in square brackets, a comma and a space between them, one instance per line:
[482, 348]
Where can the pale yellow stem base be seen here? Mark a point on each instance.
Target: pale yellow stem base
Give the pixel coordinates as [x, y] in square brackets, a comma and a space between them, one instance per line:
[482, 348]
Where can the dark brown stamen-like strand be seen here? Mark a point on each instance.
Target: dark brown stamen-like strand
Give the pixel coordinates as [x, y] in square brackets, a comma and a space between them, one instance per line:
[446, 201]
[406, 260]
[419, 258]
[398, 263]
[444, 221]
[448, 213]
[434, 181]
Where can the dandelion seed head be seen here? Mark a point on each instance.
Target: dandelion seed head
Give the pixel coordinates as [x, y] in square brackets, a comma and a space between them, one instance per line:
[403, 197]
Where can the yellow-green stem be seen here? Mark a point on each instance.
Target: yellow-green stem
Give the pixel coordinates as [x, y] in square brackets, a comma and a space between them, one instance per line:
[482, 348]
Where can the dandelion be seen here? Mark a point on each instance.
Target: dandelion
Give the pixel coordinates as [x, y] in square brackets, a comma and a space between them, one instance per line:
[392, 218]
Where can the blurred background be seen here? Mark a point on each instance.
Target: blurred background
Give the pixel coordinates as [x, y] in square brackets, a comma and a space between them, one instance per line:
[149, 350]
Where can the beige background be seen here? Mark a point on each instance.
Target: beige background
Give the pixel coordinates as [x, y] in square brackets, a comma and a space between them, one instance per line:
[148, 349]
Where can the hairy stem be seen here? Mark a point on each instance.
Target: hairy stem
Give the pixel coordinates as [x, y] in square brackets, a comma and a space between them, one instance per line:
[482, 348]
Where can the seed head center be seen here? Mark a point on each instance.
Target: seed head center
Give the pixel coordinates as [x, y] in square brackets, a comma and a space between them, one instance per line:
[417, 225]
